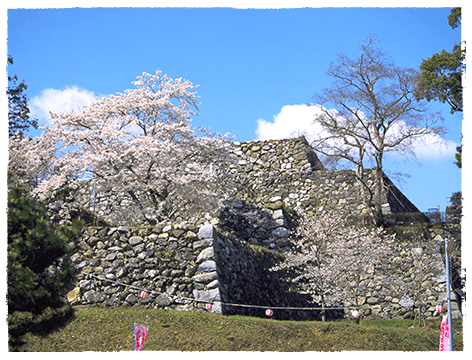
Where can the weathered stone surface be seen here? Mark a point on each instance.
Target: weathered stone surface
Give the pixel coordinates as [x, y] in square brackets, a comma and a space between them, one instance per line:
[417, 252]
[177, 232]
[110, 257]
[456, 314]
[281, 233]
[206, 254]
[177, 273]
[372, 301]
[207, 266]
[274, 205]
[190, 235]
[188, 254]
[206, 277]
[135, 240]
[131, 299]
[406, 302]
[153, 273]
[237, 204]
[207, 295]
[213, 285]
[207, 232]
[108, 290]
[164, 300]
[85, 285]
[110, 276]
[92, 296]
[376, 309]
[190, 270]
[202, 243]
[278, 214]
[74, 296]
[121, 273]
[82, 264]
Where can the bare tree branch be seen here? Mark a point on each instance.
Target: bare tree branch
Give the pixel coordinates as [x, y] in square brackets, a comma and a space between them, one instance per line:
[375, 112]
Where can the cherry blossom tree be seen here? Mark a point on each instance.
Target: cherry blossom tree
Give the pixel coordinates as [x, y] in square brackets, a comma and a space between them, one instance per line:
[139, 142]
[332, 259]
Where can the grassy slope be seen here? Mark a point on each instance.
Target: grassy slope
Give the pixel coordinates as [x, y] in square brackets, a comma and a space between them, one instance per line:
[98, 329]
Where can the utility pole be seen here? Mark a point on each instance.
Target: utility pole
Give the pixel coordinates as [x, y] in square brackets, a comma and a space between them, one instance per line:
[448, 284]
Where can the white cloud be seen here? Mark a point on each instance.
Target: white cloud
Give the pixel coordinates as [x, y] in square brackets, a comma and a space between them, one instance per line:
[434, 148]
[65, 100]
[294, 120]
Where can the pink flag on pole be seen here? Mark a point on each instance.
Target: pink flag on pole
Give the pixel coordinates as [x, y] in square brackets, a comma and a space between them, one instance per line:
[140, 333]
[444, 335]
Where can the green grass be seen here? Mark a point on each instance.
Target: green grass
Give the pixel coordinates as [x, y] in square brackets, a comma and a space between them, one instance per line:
[105, 329]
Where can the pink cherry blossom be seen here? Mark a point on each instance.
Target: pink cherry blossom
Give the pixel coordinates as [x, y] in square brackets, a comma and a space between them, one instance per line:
[140, 142]
[333, 258]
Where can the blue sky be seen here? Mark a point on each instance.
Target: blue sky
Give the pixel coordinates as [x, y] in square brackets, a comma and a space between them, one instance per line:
[249, 65]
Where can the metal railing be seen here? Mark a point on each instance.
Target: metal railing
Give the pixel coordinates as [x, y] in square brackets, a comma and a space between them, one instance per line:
[435, 216]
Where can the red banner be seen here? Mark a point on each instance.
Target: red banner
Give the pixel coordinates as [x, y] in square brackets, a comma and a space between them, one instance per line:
[444, 335]
[140, 333]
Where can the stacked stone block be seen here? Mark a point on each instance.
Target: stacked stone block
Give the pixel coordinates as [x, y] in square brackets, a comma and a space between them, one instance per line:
[290, 171]
[184, 268]
[173, 264]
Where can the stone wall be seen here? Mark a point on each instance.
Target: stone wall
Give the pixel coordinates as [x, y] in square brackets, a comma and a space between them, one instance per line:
[225, 259]
[419, 268]
[173, 264]
[184, 267]
[288, 172]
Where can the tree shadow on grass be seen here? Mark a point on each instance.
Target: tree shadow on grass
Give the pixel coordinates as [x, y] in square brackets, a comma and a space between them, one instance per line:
[21, 323]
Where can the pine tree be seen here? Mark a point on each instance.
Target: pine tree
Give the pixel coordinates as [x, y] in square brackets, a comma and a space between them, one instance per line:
[38, 272]
[18, 111]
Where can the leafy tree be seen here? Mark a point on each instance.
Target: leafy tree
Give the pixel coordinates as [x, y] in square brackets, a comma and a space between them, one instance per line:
[441, 76]
[454, 18]
[332, 259]
[140, 143]
[458, 157]
[18, 111]
[38, 272]
[371, 110]
[456, 204]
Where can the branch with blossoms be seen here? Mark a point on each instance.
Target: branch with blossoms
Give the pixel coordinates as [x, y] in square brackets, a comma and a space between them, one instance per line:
[332, 258]
[139, 142]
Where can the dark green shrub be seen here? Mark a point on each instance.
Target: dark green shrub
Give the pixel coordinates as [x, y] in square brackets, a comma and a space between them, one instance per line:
[38, 272]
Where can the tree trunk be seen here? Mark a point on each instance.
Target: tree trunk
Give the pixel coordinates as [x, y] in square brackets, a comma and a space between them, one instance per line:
[323, 313]
[368, 196]
[378, 175]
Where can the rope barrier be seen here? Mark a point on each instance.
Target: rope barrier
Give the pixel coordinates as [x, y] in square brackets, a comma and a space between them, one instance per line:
[222, 302]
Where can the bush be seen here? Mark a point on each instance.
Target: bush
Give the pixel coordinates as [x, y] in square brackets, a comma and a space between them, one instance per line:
[38, 271]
